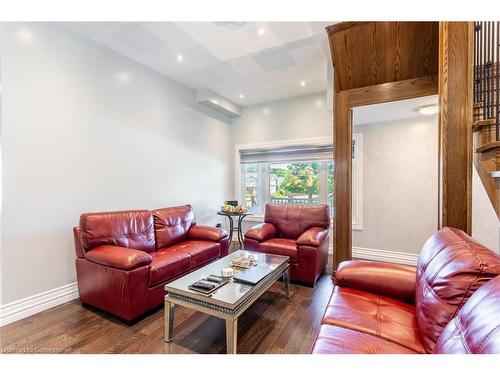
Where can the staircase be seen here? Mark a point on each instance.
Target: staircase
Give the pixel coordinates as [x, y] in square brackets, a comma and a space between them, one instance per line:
[486, 112]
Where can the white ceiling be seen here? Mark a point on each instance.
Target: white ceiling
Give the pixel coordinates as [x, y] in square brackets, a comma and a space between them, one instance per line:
[391, 111]
[264, 61]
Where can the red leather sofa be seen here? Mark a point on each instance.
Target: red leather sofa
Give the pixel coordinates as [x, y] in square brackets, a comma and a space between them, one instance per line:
[299, 232]
[449, 303]
[124, 258]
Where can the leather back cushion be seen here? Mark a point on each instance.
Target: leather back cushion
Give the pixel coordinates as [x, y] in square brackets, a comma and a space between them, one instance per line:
[172, 224]
[476, 328]
[132, 229]
[292, 221]
[451, 267]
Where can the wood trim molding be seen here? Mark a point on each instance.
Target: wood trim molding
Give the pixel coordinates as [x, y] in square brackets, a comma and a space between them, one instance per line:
[391, 91]
[342, 192]
[455, 123]
[410, 259]
[373, 53]
[332, 29]
[31, 305]
[454, 86]
[342, 140]
[379, 255]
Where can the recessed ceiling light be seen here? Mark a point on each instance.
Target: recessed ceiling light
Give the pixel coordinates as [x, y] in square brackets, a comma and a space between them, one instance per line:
[214, 101]
[302, 83]
[242, 96]
[123, 77]
[428, 109]
[261, 31]
[180, 58]
[24, 35]
[318, 103]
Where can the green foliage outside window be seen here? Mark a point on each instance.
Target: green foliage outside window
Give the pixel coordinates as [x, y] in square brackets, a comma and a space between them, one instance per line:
[296, 179]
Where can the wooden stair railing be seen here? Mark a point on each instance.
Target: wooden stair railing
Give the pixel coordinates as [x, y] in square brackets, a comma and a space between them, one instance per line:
[486, 109]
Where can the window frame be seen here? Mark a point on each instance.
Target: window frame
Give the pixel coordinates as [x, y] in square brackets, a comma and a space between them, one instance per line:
[357, 184]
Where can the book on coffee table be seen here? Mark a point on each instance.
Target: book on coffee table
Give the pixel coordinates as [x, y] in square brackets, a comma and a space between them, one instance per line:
[252, 275]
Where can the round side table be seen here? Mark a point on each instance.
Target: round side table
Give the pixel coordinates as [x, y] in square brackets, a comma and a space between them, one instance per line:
[232, 228]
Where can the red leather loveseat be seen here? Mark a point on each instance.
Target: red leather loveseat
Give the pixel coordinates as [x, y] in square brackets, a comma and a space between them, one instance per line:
[449, 303]
[299, 232]
[124, 258]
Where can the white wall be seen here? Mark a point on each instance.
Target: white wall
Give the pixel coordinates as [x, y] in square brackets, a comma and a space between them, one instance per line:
[485, 223]
[400, 184]
[290, 119]
[79, 136]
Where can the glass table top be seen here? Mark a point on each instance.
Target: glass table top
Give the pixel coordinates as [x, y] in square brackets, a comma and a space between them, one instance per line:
[232, 292]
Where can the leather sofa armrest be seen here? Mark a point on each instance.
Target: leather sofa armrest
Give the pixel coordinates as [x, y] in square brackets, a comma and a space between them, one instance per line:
[312, 237]
[261, 232]
[80, 251]
[389, 279]
[205, 233]
[119, 257]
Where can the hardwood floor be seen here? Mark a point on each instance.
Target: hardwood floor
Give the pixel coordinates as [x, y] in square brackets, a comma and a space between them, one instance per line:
[272, 324]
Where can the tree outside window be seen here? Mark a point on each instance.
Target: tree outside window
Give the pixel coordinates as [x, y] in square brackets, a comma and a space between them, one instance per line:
[295, 183]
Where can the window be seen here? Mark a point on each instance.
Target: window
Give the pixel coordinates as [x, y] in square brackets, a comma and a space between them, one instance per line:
[330, 182]
[297, 182]
[300, 174]
[253, 187]
[288, 174]
[294, 183]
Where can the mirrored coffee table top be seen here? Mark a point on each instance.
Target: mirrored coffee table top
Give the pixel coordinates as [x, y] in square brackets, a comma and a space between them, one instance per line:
[232, 292]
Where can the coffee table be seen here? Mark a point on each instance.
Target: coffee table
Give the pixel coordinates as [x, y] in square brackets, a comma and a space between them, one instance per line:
[229, 301]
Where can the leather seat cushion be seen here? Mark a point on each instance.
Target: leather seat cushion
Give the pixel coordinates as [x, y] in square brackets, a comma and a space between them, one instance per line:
[451, 267]
[172, 224]
[476, 327]
[374, 314]
[280, 246]
[293, 220]
[200, 252]
[133, 229]
[166, 265]
[339, 340]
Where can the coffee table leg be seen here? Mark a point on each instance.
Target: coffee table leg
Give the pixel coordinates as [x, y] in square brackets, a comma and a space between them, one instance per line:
[286, 282]
[169, 320]
[231, 336]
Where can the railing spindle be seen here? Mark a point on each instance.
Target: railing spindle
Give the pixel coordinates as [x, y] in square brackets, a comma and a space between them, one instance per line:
[497, 88]
[487, 71]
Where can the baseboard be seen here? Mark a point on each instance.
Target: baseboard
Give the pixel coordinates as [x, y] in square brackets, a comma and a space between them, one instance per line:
[25, 307]
[410, 259]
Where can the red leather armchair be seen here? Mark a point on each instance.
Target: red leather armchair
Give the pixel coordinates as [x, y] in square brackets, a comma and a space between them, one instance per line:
[449, 303]
[124, 258]
[299, 232]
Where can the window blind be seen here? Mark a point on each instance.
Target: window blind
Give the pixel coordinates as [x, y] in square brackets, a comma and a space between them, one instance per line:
[286, 154]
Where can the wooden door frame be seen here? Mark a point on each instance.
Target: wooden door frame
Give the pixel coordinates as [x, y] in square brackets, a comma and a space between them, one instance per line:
[344, 102]
[455, 133]
[455, 123]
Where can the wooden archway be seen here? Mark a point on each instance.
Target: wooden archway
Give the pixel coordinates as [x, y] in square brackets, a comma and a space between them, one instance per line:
[377, 62]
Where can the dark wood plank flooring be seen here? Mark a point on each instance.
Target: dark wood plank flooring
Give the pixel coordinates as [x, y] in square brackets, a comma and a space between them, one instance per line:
[272, 324]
